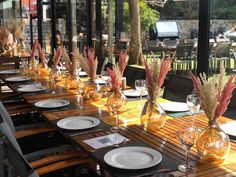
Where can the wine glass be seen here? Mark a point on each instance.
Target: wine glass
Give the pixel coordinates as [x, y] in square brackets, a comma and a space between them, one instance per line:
[82, 89]
[187, 135]
[193, 103]
[24, 62]
[105, 76]
[52, 83]
[141, 86]
[116, 104]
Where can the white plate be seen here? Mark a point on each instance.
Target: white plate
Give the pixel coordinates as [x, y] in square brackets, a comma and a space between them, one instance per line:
[133, 93]
[174, 106]
[82, 73]
[78, 122]
[10, 71]
[229, 128]
[52, 103]
[31, 85]
[30, 89]
[133, 157]
[17, 79]
[100, 81]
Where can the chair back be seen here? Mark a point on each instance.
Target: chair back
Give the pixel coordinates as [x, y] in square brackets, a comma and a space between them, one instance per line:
[6, 117]
[178, 88]
[184, 51]
[20, 166]
[170, 42]
[223, 49]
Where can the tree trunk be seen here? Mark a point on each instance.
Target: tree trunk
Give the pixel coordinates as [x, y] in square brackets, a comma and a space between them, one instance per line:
[110, 30]
[135, 53]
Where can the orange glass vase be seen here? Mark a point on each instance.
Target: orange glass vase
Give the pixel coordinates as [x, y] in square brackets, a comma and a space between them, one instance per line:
[72, 82]
[213, 144]
[152, 116]
[92, 92]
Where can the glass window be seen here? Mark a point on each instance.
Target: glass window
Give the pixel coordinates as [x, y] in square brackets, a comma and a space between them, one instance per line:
[223, 35]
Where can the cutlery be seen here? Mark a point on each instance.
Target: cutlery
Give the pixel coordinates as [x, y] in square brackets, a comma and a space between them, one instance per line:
[155, 172]
[85, 132]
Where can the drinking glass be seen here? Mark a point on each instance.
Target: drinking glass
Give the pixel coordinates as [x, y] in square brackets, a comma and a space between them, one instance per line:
[24, 62]
[193, 103]
[105, 76]
[82, 88]
[116, 104]
[141, 86]
[52, 83]
[187, 135]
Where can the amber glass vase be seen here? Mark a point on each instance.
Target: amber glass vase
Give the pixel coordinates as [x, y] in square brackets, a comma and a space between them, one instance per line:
[213, 144]
[152, 116]
[71, 82]
[92, 92]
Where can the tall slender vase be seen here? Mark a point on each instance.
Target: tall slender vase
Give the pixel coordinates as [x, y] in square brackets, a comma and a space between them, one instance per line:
[213, 144]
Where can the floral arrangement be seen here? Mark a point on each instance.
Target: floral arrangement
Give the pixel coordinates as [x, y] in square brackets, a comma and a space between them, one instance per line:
[118, 69]
[71, 65]
[88, 62]
[215, 93]
[35, 47]
[4, 36]
[15, 29]
[116, 76]
[42, 56]
[57, 56]
[123, 61]
[156, 71]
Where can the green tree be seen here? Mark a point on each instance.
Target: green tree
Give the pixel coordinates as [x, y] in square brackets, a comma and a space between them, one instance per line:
[148, 16]
[138, 17]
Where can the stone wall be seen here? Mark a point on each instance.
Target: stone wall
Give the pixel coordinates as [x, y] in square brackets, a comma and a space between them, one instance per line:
[186, 26]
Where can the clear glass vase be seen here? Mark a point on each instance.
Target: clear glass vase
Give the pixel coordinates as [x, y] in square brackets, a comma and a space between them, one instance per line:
[152, 116]
[72, 81]
[213, 144]
[92, 92]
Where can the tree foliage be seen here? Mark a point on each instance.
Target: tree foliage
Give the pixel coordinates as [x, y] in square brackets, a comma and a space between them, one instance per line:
[220, 9]
[148, 16]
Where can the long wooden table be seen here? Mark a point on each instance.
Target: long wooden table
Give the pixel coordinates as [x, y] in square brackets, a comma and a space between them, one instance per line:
[164, 140]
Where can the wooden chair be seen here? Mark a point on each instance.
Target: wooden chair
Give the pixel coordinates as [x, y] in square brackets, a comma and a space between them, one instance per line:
[231, 110]
[222, 53]
[183, 57]
[177, 88]
[19, 166]
[34, 133]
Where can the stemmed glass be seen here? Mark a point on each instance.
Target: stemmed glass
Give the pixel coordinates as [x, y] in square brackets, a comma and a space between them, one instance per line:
[82, 88]
[116, 104]
[52, 82]
[24, 62]
[193, 103]
[187, 134]
[105, 76]
[141, 86]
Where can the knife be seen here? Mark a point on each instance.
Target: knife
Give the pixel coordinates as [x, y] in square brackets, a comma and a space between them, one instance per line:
[85, 132]
[153, 172]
